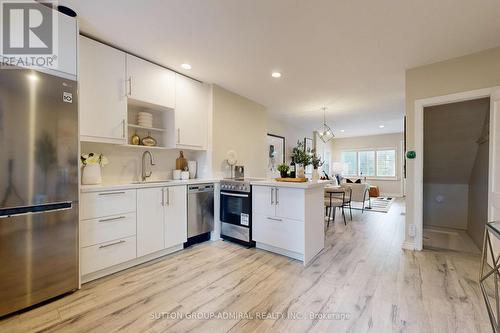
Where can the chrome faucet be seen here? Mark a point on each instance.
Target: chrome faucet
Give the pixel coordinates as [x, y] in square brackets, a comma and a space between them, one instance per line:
[145, 174]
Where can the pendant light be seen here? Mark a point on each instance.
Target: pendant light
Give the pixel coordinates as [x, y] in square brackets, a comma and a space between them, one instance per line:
[326, 133]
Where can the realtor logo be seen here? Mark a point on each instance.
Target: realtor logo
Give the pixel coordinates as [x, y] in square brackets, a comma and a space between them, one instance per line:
[29, 31]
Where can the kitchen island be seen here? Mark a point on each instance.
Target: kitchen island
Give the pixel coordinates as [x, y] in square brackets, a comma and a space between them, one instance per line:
[288, 218]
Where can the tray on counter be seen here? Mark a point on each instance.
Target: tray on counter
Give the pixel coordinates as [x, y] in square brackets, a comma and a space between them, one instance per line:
[292, 180]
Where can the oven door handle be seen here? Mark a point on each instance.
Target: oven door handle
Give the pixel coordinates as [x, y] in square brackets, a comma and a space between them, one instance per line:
[234, 195]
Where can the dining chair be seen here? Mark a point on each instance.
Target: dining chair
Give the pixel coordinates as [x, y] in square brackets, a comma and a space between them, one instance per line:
[334, 198]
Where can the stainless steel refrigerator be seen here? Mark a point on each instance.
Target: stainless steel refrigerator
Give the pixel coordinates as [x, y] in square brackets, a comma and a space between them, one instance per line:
[38, 188]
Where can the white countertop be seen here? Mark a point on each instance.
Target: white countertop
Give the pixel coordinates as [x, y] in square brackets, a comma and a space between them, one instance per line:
[153, 183]
[304, 185]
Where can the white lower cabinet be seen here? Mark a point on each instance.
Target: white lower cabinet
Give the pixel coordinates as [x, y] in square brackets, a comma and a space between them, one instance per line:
[161, 218]
[279, 232]
[137, 224]
[175, 216]
[278, 201]
[101, 256]
[150, 216]
[278, 217]
[105, 229]
[289, 221]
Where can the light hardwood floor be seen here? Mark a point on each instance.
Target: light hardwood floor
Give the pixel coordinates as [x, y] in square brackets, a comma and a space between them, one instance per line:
[362, 273]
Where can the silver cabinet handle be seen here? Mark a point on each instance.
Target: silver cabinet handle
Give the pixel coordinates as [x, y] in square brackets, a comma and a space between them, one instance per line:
[112, 193]
[168, 196]
[178, 135]
[112, 219]
[123, 121]
[272, 195]
[163, 197]
[108, 245]
[130, 85]
[277, 196]
[275, 219]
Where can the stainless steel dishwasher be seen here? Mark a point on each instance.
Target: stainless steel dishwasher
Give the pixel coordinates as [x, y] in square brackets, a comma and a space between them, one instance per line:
[200, 205]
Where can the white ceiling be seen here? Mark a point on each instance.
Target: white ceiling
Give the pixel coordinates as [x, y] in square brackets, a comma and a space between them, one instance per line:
[348, 55]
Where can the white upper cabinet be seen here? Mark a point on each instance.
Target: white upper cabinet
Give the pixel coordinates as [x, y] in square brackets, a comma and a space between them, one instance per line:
[62, 59]
[175, 216]
[149, 83]
[191, 113]
[102, 96]
[67, 33]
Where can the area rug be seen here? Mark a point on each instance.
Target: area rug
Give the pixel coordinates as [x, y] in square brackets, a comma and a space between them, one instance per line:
[380, 204]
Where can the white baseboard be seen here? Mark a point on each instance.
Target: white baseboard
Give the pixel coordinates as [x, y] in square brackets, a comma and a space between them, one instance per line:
[409, 245]
[283, 252]
[134, 262]
[394, 195]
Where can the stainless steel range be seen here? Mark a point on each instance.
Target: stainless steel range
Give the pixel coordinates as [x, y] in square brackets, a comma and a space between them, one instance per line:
[236, 211]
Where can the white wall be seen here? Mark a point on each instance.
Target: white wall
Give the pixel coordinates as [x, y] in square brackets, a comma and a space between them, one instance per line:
[470, 72]
[291, 133]
[386, 187]
[239, 124]
[478, 195]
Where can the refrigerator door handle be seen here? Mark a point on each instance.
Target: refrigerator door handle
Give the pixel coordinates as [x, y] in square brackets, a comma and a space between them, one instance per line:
[35, 209]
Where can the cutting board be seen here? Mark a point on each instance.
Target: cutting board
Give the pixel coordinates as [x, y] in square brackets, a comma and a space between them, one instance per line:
[181, 163]
[292, 180]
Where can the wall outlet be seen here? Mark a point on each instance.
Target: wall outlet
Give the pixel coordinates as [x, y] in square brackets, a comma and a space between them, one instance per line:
[412, 231]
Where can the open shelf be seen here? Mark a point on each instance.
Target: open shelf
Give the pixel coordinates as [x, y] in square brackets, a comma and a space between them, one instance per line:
[147, 128]
[146, 147]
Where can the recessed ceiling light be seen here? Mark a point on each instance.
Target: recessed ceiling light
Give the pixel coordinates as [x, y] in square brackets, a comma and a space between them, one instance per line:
[381, 126]
[276, 75]
[342, 131]
[186, 66]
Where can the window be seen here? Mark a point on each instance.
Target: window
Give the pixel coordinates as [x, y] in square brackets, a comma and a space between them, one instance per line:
[369, 163]
[349, 158]
[366, 164]
[386, 163]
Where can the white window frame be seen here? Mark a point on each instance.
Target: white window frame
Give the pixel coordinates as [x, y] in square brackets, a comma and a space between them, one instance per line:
[357, 150]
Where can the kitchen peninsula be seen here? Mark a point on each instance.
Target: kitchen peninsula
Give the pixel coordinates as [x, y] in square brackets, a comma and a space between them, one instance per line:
[288, 218]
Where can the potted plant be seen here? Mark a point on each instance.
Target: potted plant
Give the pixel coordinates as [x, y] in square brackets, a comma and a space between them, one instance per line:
[91, 172]
[316, 163]
[283, 169]
[302, 158]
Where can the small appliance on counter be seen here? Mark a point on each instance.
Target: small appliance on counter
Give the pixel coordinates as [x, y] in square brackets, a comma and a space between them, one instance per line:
[236, 211]
[239, 172]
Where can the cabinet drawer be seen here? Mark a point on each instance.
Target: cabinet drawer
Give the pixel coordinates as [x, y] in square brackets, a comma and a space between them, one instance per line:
[97, 257]
[106, 229]
[279, 232]
[108, 203]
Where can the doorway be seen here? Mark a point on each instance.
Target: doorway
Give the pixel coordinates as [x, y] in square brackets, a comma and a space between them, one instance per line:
[455, 174]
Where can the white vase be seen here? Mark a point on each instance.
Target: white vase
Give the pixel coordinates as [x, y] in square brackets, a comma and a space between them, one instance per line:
[192, 169]
[301, 173]
[315, 174]
[91, 174]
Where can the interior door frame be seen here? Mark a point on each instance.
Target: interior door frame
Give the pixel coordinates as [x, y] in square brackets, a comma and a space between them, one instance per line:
[418, 197]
